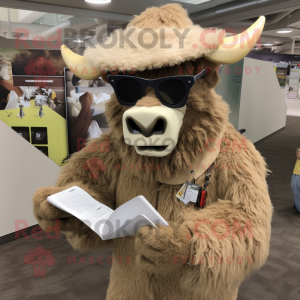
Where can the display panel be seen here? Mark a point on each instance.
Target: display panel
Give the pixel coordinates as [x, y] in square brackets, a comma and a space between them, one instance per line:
[33, 99]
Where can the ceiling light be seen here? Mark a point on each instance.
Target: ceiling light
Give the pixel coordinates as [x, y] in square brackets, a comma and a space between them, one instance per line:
[77, 41]
[284, 31]
[98, 1]
[192, 1]
[268, 44]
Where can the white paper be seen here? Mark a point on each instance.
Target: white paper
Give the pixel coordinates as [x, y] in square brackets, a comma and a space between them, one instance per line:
[107, 223]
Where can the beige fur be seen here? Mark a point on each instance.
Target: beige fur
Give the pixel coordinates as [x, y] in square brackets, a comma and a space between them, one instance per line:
[124, 57]
[170, 15]
[149, 101]
[153, 264]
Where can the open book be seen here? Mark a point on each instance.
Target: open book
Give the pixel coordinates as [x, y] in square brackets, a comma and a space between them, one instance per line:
[107, 223]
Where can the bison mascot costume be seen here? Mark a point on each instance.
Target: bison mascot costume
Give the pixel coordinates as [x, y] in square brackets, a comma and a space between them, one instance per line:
[165, 120]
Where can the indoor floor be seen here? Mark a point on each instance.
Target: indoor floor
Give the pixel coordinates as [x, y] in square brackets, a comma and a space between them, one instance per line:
[293, 107]
[277, 280]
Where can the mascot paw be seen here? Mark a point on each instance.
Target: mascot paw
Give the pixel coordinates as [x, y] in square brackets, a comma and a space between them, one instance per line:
[159, 250]
[48, 215]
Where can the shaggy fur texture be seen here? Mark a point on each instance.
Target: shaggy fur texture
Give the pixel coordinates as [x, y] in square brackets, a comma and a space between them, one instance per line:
[222, 243]
[173, 36]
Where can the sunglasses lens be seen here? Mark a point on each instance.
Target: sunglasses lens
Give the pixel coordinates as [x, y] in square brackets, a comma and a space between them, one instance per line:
[129, 90]
[172, 91]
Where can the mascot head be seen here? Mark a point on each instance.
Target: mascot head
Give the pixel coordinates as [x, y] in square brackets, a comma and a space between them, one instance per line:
[164, 69]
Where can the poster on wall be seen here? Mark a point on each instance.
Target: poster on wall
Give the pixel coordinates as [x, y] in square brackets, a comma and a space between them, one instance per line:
[48, 91]
[85, 101]
[35, 106]
[35, 62]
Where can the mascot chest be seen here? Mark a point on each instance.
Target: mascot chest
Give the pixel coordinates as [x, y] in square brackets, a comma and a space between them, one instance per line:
[162, 196]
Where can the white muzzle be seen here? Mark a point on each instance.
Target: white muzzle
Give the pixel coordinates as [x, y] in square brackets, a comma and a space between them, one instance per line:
[153, 131]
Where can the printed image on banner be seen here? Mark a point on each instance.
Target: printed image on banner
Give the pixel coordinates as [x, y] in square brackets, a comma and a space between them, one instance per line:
[33, 100]
[35, 62]
[86, 101]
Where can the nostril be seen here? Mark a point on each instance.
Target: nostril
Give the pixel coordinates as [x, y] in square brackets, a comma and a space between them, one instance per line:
[133, 127]
[159, 127]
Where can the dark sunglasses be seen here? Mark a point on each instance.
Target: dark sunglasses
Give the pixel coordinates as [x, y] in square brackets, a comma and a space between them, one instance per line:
[172, 91]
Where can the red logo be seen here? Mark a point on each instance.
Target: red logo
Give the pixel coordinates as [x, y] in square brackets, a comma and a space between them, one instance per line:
[40, 66]
[40, 258]
[94, 165]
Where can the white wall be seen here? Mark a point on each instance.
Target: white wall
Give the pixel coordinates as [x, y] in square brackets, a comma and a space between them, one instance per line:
[14, 17]
[23, 169]
[262, 107]
[20, 15]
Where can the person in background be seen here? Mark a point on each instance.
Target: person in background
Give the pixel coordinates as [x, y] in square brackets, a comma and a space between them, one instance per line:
[96, 82]
[7, 89]
[296, 182]
[288, 69]
[76, 82]
[85, 127]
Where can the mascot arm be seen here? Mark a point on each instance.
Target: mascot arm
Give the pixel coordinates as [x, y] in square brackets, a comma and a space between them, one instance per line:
[92, 170]
[230, 238]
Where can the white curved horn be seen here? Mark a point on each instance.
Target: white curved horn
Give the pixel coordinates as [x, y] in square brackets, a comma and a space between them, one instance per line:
[235, 48]
[79, 65]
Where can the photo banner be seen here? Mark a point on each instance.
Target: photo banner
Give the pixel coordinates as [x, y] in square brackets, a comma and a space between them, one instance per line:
[85, 101]
[33, 100]
[35, 62]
